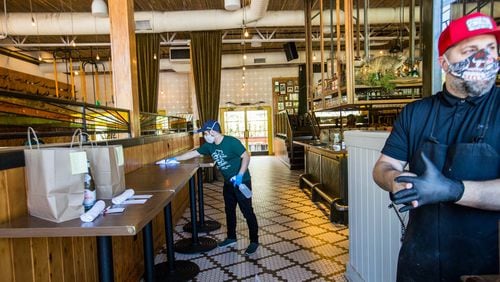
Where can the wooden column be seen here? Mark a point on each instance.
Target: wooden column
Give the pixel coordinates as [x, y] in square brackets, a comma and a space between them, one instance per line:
[309, 62]
[349, 51]
[124, 63]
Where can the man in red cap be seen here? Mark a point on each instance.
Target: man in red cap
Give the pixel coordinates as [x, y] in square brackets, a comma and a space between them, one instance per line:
[451, 142]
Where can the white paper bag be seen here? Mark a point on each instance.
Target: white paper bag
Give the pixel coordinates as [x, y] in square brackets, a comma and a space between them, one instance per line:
[108, 169]
[54, 180]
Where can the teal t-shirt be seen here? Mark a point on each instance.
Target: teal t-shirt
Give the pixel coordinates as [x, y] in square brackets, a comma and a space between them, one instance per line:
[226, 155]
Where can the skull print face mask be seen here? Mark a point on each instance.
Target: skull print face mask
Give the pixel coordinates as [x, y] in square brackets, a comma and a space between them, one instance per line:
[480, 66]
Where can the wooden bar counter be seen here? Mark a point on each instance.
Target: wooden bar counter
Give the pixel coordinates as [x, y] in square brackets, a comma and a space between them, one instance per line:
[73, 258]
[128, 223]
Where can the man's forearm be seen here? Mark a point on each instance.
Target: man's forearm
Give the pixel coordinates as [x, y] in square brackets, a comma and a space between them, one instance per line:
[188, 155]
[245, 160]
[384, 174]
[481, 194]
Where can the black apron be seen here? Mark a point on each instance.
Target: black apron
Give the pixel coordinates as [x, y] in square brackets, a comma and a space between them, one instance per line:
[444, 241]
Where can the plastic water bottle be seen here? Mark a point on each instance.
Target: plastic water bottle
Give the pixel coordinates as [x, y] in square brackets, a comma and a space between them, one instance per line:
[245, 191]
[243, 188]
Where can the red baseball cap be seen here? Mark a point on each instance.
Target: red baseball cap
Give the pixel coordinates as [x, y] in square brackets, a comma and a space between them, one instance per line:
[465, 27]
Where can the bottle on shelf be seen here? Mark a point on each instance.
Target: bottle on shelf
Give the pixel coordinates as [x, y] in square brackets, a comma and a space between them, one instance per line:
[89, 193]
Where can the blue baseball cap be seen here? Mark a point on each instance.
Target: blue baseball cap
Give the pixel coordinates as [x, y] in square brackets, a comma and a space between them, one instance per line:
[209, 125]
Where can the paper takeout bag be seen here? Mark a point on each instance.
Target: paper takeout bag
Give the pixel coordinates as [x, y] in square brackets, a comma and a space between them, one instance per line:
[108, 169]
[54, 179]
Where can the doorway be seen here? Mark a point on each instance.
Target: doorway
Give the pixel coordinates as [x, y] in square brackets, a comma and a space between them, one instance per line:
[251, 125]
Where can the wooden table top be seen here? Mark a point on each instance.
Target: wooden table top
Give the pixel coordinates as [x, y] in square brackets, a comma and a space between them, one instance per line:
[130, 222]
[157, 178]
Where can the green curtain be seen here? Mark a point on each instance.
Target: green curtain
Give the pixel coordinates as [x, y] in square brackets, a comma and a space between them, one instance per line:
[206, 59]
[148, 48]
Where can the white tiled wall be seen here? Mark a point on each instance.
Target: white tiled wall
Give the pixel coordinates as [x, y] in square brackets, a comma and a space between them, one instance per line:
[258, 84]
[177, 88]
[174, 93]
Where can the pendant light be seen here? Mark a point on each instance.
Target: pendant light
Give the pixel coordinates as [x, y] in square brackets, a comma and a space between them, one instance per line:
[99, 8]
[231, 5]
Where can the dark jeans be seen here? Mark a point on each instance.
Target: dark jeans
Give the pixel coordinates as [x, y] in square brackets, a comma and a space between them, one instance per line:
[233, 196]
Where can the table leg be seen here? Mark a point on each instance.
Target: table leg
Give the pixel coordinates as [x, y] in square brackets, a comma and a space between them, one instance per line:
[203, 226]
[147, 241]
[105, 258]
[173, 270]
[194, 244]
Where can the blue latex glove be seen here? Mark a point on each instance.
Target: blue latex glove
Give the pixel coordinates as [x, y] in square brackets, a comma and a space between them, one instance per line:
[238, 179]
[429, 188]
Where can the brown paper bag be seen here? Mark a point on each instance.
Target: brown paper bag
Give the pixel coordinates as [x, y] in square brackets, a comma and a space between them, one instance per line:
[108, 169]
[54, 179]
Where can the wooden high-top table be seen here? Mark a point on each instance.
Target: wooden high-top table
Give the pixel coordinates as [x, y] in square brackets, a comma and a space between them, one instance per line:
[129, 223]
[161, 177]
[202, 224]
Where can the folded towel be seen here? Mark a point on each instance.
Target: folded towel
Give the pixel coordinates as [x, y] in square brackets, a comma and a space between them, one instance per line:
[94, 212]
[171, 162]
[123, 196]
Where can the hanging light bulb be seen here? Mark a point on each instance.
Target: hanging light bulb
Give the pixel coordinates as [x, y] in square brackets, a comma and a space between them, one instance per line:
[73, 43]
[97, 57]
[40, 57]
[314, 56]
[244, 68]
[246, 33]
[77, 73]
[154, 56]
[243, 77]
[33, 22]
[244, 56]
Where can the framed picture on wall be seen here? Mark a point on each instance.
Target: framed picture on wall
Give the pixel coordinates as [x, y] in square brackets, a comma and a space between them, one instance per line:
[296, 89]
[280, 106]
[289, 89]
[282, 88]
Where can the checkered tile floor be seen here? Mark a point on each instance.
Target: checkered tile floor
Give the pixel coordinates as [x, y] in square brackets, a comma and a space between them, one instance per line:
[297, 241]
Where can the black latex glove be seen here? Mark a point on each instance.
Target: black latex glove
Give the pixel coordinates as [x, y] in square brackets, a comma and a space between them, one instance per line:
[429, 188]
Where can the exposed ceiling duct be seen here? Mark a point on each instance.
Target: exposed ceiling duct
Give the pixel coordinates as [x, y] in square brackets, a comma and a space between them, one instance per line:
[19, 24]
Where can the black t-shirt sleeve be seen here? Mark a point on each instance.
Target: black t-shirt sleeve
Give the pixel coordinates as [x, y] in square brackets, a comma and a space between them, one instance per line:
[397, 144]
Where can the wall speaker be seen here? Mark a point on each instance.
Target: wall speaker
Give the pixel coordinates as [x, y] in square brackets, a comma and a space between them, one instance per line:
[290, 51]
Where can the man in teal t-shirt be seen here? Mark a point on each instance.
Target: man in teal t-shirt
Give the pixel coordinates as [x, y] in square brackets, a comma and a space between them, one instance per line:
[232, 159]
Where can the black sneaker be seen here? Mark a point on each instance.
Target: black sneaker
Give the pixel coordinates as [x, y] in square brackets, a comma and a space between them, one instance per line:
[227, 243]
[251, 249]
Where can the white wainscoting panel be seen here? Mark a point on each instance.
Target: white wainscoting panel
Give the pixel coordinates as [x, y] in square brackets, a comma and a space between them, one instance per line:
[374, 229]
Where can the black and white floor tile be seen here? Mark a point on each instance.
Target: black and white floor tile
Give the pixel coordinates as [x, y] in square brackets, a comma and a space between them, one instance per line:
[297, 241]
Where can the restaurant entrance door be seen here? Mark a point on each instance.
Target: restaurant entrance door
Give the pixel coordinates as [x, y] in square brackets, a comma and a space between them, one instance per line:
[251, 125]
